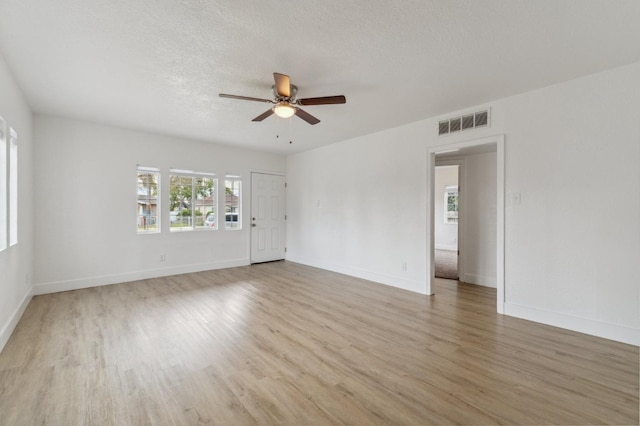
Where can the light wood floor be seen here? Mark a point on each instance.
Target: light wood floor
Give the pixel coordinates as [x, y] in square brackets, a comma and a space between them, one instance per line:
[289, 344]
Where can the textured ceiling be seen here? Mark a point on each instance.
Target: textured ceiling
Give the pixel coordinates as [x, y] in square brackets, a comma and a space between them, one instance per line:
[158, 65]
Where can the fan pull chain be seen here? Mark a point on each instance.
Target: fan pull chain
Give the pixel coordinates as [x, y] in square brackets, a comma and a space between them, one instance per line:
[290, 130]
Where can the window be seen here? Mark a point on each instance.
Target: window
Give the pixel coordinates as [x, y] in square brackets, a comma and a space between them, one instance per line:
[148, 206]
[451, 204]
[3, 185]
[233, 192]
[13, 187]
[205, 204]
[192, 198]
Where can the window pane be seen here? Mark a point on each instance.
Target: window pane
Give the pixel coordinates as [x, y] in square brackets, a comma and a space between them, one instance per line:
[13, 187]
[3, 185]
[148, 206]
[233, 192]
[451, 204]
[180, 197]
[205, 204]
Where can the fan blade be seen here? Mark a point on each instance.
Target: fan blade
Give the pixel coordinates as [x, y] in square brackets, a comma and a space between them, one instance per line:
[245, 98]
[307, 117]
[264, 115]
[326, 100]
[283, 86]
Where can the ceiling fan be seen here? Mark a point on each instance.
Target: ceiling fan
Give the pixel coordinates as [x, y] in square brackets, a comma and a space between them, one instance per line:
[285, 102]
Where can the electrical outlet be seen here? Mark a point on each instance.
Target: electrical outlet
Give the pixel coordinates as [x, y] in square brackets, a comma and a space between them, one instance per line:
[163, 257]
[404, 266]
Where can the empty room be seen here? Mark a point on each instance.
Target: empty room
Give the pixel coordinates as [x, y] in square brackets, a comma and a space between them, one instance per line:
[317, 213]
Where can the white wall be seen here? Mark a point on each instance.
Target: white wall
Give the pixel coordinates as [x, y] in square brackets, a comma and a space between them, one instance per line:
[445, 234]
[16, 262]
[478, 254]
[85, 198]
[359, 208]
[572, 153]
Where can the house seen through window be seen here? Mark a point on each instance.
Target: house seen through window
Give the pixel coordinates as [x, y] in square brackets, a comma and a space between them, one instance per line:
[192, 201]
[233, 192]
[148, 206]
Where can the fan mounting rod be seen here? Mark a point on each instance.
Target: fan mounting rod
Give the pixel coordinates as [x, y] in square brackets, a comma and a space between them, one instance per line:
[293, 93]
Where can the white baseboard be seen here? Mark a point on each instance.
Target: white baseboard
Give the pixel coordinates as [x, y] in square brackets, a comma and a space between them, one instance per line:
[478, 279]
[8, 328]
[615, 332]
[445, 247]
[403, 283]
[75, 284]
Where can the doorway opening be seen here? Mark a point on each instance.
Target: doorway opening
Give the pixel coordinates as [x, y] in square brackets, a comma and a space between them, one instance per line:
[445, 219]
[494, 197]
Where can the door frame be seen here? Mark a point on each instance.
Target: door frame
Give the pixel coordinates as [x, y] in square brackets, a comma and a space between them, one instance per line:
[498, 140]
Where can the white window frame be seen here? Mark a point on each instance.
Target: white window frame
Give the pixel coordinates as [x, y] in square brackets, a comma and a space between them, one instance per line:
[141, 218]
[193, 220]
[4, 186]
[453, 189]
[234, 179]
[13, 187]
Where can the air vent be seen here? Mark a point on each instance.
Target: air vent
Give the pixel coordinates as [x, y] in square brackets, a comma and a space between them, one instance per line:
[482, 118]
[465, 122]
[455, 124]
[443, 127]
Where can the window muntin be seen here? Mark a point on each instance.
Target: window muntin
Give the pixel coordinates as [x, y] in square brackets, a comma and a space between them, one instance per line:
[148, 202]
[233, 194]
[192, 201]
[13, 187]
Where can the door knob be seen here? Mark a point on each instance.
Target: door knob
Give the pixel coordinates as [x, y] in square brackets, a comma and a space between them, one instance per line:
[253, 224]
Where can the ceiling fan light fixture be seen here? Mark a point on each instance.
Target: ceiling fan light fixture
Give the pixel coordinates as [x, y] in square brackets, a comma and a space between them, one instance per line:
[284, 109]
[285, 103]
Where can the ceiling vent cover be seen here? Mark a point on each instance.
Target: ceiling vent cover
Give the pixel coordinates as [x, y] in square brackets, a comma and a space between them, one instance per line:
[464, 122]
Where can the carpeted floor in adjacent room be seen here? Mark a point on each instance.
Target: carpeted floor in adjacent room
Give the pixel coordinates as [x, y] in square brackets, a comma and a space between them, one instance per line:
[446, 263]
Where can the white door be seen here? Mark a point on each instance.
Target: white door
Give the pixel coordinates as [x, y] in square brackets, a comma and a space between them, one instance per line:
[267, 217]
